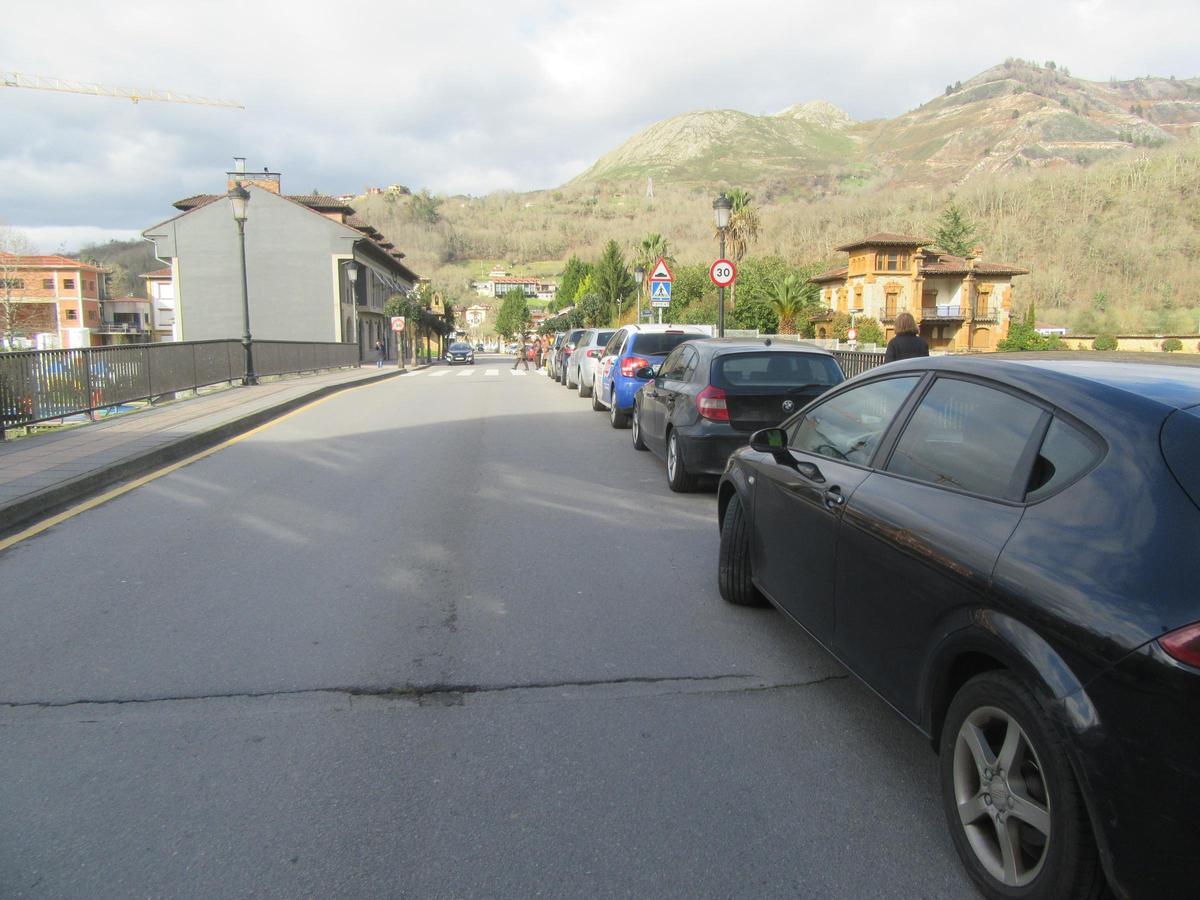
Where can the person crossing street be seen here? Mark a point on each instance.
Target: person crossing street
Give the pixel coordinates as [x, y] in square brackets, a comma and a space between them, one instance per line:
[522, 355]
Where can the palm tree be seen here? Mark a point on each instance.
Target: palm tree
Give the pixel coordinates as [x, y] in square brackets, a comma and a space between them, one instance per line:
[743, 228]
[788, 297]
[647, 251]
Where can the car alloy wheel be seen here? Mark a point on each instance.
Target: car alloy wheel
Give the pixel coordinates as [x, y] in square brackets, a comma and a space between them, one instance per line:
[678, 478]
[616, 418]
[1010, 796]
[635, 423]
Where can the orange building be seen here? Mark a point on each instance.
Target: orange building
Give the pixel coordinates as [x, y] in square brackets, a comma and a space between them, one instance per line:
[48, 302]
[960, 303]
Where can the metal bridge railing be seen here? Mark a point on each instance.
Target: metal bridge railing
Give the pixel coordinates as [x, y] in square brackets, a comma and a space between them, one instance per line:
[37, 385]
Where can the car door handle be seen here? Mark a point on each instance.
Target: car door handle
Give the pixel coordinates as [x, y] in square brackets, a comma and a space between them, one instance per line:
[834, 497]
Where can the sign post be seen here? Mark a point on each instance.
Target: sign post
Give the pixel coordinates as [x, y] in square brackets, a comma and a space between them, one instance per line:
[722, 273]
[661, 280]
[401, 349]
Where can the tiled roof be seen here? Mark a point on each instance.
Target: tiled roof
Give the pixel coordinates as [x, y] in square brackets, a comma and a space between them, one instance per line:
[510, 280]
[885, 239]
[195, 201]
[47, 262]
[319, 201]
[946, 264]
[158, 273]
[830, 275]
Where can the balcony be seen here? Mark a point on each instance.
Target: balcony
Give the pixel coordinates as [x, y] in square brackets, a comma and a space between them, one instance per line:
[942, 314]
[987, 314]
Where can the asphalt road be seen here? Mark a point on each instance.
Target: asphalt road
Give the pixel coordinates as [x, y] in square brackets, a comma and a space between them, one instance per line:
[443, 636]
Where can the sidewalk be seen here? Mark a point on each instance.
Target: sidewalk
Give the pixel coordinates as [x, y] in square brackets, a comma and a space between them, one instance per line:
[40, 473]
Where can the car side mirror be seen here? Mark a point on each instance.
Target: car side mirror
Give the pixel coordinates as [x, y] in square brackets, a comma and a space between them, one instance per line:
[646, 372]
[774, 442]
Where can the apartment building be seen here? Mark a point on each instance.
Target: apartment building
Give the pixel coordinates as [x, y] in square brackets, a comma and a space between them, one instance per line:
[49, 302]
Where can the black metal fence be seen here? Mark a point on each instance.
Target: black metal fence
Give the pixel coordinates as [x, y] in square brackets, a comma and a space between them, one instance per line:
[855, 362]
[37, 385]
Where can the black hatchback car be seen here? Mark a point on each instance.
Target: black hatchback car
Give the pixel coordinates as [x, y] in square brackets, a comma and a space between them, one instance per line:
[1004, 548]
[708, 396]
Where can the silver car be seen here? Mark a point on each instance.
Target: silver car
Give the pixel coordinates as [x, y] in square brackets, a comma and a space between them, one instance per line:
[581, 365]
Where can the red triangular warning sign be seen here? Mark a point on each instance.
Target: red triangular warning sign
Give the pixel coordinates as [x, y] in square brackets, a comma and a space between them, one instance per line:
[660, 272]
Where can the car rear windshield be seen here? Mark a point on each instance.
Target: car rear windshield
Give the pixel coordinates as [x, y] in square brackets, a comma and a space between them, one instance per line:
[774, 369]
[660, 343]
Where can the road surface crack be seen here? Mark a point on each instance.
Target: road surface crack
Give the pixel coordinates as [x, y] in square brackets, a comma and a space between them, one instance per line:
[442, 694]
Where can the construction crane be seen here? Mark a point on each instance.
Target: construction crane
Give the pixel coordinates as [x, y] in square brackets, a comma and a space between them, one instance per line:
[41, 83]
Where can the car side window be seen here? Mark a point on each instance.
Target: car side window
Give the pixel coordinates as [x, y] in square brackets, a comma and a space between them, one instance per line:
[967, 436]
[1065, 454]
[850, 425]
[672, 365]
[690, 359]
[614, 345]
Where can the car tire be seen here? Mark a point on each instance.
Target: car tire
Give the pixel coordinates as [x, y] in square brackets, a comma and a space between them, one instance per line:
[616, 418]
[596, 404]
[1008, 790]
[585, 391]
[678, 478]
[733, 559]
[635, 422]
[571, 385]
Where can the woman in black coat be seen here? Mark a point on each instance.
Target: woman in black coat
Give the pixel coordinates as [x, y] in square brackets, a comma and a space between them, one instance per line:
[907, 343]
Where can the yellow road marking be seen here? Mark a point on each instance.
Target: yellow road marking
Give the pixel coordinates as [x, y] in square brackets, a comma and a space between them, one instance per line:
[112, 494]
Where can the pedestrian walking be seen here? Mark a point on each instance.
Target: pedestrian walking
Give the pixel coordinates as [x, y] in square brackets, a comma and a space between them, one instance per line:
[381, 349]
[907, 344]
[538, 350]
[522, 355]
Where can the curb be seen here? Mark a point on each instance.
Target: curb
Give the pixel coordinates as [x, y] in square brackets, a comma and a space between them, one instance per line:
[50, 500]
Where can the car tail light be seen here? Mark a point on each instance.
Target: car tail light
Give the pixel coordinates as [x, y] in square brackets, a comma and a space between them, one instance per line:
[710, 403]
[631, 364]
[1183, 644]
[595, 354]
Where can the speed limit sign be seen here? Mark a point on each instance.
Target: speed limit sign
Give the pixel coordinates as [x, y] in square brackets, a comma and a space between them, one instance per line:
[722, 273]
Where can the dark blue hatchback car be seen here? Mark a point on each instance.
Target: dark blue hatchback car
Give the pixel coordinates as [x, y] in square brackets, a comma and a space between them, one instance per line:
[1005, 549]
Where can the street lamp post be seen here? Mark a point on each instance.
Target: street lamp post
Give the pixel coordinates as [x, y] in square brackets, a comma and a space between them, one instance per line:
[722, 207]
[238, 198]
[352, 277]
[640, 274]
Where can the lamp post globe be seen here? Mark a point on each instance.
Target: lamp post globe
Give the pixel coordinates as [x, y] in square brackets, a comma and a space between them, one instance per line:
[722, 209]
[239, 199]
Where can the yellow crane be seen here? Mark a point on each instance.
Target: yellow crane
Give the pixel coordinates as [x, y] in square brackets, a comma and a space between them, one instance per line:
[42, 83]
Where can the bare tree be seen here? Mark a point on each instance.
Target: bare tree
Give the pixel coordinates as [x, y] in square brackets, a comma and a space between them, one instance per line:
[15, 315]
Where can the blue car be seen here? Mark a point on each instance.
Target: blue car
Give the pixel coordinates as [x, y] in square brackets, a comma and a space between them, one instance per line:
[633, 347]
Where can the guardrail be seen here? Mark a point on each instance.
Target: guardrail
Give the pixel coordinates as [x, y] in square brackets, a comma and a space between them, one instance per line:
[38, 385]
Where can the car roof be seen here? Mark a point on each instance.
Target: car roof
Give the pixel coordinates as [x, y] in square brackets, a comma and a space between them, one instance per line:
[759, 345]
[1160, 379]
[659, 329]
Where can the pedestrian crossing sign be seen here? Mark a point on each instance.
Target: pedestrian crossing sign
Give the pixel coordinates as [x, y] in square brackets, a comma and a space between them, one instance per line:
[660, 293]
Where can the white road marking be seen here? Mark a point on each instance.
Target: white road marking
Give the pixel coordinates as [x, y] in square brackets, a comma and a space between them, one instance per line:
[464, 373]
[492, 372]
[438, 372]
[517, 372]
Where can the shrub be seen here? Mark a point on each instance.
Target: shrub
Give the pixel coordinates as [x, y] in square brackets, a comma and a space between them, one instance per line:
[755, 314]
[1171, 345]
[1105, 342]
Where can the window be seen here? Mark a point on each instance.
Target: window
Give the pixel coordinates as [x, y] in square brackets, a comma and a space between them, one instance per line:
[851, 425]
[47, 284]
[891, 262]
[92, 315]
[967, 436]
[1066, 453]
[72, 314]
[613, 347]
[775, 369]
[673, 365]
[16, 284]
[69, 283]
[659, 343]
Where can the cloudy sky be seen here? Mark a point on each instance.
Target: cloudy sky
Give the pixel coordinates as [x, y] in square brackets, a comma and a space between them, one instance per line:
[479, 96]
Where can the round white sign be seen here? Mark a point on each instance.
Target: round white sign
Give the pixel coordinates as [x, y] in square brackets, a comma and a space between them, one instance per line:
[722, 273]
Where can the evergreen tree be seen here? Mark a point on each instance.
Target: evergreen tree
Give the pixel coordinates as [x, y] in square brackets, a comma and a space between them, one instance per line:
[568, 283]
[955, 233]
[611, 279]
[514, 317]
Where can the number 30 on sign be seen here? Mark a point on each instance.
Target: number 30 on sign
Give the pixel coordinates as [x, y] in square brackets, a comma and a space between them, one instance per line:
[722, 273]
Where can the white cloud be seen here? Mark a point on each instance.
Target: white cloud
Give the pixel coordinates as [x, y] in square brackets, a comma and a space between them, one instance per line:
[473, 97]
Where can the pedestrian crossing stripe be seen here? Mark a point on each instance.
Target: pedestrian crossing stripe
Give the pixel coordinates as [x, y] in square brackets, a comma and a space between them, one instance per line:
[464, 372]
[518, 372]
[439, 372]
[492, 372]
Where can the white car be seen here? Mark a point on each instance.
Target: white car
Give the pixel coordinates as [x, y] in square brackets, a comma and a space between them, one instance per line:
[581, 364]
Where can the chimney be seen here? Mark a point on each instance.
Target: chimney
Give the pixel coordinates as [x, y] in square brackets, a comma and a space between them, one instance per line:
[974, 256]
[267, 180]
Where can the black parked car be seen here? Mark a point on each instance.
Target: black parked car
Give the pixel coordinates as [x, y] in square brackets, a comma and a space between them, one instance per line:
[1005, 550]
[708, 396]
[460, 352]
